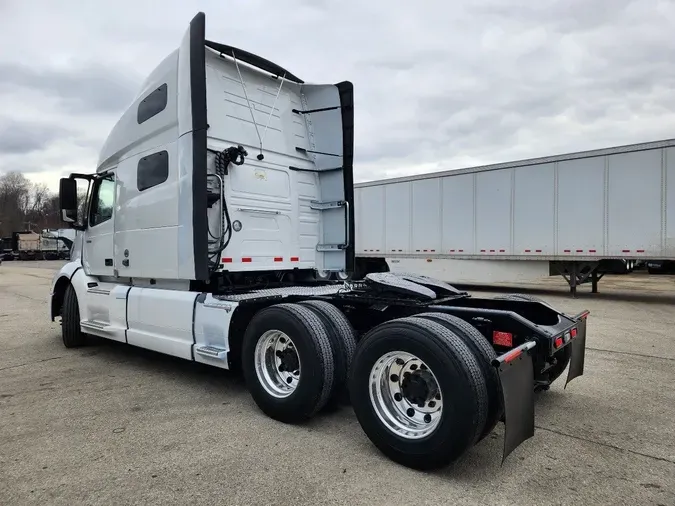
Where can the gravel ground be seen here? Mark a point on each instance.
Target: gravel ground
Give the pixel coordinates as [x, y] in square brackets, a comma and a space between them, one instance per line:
[110, 424]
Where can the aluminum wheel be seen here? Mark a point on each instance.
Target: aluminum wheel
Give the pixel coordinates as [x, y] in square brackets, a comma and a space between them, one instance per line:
[277, 364]
[405, 395]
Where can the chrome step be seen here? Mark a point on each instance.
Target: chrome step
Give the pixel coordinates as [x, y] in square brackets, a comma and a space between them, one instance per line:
[93, 325]
[212, 352]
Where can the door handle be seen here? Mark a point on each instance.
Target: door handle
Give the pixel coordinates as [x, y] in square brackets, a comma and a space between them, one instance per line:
[88, 241]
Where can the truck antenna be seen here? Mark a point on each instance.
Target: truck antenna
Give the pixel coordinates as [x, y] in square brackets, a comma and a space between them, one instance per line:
[250, 108]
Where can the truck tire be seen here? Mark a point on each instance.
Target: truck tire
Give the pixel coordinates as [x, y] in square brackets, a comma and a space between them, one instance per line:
[484, 354]
[343, 342]
[287, 361]
[418, 392]
[71, 332]
[521, 296]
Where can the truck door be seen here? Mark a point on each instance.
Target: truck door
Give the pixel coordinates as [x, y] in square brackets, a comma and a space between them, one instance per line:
[97, 254]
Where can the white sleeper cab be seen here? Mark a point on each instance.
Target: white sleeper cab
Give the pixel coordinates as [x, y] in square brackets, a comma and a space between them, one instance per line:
[222, 197]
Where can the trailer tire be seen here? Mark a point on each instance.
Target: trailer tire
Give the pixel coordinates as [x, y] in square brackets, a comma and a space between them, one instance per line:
[71, 332]
[343, 342]
[484, 354]
[308, 336]
[460, 391]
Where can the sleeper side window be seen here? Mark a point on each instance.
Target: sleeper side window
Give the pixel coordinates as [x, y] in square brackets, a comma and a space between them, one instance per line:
[152, 105]
[152, 170]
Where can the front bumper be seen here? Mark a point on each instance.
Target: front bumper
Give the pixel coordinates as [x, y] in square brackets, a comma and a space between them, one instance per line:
[516, 374]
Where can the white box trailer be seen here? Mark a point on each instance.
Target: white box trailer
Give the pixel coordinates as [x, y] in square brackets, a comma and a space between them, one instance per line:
[575, 214]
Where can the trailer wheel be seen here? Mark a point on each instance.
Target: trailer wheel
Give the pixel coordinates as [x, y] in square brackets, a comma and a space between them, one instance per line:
[343, 342]
[287, 361]
[71, 332]
[418, 392]
[484, 354]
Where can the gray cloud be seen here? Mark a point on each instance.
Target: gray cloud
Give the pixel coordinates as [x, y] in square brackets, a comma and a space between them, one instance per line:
[82, 90]
[440, 86]
[17, 137]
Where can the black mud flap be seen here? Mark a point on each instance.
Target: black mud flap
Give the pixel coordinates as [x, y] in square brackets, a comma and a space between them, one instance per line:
[578, 353]
[517, 379]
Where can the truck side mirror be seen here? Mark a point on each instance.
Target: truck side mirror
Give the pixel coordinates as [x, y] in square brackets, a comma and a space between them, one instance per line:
[68, 200]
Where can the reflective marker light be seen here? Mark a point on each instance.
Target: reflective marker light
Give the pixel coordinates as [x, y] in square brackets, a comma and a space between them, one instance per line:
[573, 332]
[558, 342]
[502, 338]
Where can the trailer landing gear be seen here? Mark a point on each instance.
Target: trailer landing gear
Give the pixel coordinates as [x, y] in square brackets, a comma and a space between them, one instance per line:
[578, 273]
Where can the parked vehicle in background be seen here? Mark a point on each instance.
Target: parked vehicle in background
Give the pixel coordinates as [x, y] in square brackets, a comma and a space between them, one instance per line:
[578, 215]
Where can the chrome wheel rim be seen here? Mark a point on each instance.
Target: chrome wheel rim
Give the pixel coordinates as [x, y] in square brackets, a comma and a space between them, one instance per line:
[406, 395]
[342, 276]
[277, 364]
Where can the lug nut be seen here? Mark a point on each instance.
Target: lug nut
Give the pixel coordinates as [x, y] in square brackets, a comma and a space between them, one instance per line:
[432, 404]
[406, 374]
[289, 380]
[399, 361]
[427, 418]
[282, 339]
[398, 397]
[413, 367]
[394, 378]
[410, 412]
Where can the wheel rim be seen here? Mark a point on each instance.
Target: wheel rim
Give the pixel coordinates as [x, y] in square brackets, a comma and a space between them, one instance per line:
[277, 364]
[322, 274]
[342, 276]
[405, 395]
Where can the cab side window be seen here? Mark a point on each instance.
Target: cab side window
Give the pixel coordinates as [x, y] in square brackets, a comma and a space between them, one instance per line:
[102, 201]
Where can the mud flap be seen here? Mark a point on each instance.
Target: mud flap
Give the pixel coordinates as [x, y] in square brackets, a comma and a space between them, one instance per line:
[578, 353]
[516, 375]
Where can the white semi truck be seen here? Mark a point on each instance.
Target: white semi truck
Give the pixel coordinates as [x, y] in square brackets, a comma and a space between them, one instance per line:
[219, 194]
[579, 215]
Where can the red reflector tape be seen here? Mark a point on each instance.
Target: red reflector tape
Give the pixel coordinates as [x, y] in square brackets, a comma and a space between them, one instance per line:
[558, 342]
[528, 250]
[227, 260]
[591, 251]
[295, 259]
[502, 338]
[246, 259]
[512, 355]
[567, 251]
[538, 251]
[573, 332]
[640, 251]
[278, 259]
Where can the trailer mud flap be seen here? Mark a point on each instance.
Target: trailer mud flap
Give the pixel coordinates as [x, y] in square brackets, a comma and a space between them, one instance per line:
[516, 375]
[578, 345]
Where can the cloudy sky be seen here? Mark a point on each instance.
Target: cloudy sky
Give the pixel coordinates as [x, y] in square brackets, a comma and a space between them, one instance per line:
[439, 85]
